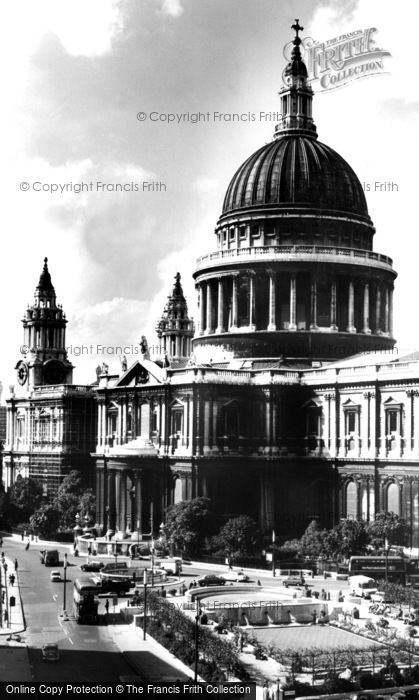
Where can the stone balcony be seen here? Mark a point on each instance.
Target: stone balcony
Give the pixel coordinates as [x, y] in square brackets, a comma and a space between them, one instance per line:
[295, 253]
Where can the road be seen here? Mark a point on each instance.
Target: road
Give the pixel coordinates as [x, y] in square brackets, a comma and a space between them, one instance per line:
[88, 652]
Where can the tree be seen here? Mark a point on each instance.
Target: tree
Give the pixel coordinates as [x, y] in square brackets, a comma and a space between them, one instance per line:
[238, 538]
[73, 498]
[387, 529]
[313, 541]
[346, 539]
[26, 494]
[187, 524]
[45, 520]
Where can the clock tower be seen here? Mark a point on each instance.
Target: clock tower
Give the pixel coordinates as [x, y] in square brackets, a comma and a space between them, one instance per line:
[44, 352]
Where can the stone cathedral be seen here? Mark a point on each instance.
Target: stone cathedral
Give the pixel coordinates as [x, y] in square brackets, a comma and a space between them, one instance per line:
[287, 401]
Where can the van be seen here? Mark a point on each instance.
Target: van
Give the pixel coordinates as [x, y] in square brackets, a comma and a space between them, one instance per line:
[171, 566]
[362, 586]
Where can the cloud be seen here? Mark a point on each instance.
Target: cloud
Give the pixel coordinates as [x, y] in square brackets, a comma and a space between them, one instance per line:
[172, 8]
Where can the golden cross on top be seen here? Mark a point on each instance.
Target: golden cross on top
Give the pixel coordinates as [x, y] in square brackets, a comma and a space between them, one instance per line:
[297, 28]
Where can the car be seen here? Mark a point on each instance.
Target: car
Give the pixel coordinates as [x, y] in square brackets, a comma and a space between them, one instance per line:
[55, 576]
[238, 576]
[50, 652]
[211, 580]
[293, 581]
[92, 566]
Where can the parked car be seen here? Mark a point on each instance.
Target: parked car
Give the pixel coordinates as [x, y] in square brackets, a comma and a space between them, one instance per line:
[238, 576]
[55, 576]
[211, 580]
[50, 652]
[92, 566]
[293, 581]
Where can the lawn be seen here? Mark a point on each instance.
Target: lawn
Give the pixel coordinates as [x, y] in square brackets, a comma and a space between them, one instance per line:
[308, 636]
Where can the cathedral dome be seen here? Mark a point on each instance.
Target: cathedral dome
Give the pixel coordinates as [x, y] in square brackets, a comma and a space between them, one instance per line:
[296, 171]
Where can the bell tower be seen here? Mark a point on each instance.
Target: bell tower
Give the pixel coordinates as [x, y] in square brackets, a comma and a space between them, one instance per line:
[45, 357]
[175, 329]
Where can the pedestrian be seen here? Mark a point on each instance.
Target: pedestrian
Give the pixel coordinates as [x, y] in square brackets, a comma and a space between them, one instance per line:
[12, 579]
[27, 546]
[16, 565]
[89, 549]
[107, 606]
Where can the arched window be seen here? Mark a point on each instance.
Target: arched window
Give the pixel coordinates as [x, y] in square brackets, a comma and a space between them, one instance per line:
[351, 498]
[393, 501]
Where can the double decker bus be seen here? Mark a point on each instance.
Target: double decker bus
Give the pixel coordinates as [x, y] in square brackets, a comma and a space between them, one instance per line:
[85, 601]
[379, 567]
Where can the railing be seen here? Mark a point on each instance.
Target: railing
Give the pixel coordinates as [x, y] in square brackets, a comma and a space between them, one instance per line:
[354, 254]
[62, 389]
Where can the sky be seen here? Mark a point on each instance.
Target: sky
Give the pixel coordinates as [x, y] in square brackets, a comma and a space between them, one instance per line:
[78, 78]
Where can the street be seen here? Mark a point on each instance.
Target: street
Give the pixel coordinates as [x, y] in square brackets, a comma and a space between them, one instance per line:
[87, 652]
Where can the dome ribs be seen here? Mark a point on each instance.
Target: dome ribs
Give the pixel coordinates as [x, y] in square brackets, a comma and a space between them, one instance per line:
[297, 170]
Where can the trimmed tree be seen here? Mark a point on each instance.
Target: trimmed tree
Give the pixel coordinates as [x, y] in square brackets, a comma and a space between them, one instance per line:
[238, 538]
[187, 525]
[45, 520]
[26, 494]
[346, 539]
[387, 529]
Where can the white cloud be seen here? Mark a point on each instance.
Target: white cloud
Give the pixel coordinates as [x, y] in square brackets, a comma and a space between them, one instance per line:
[173, 8]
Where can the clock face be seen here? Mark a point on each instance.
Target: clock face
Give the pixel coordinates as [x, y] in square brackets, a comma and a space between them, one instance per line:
[22, 373]
[54, 372]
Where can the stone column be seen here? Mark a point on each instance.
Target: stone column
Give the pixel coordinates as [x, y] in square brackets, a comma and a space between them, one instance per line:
[118, 501]
[100, 440]
[268, 422]
[119, 442]
[207, 426]
[293, 303]
[275, 448]
[366, 327]
[272, 300]
[390, 313]
[386, 310]
[351, 298]
[252, 325]
[138, 503]
[313, 304]
[214, 426]
[111, 500]
[234, 305]
[124, 420]
[378, 311]
[201, 308]
[220, 319]
[122, 507]
[208, 329]
[104, 423]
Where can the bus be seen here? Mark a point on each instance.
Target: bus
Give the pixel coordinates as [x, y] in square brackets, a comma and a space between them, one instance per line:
[85, 601]
[379, 567]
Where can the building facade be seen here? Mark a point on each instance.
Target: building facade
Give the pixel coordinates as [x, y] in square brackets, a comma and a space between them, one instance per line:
[287, 403]
[51, 423]
[268, 416]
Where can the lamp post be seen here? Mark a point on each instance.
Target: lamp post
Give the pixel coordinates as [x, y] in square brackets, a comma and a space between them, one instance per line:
[145, 605]
[196, 642]
[65, 616]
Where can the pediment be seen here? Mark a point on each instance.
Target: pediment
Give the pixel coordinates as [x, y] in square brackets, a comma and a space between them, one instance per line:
[140, 373]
